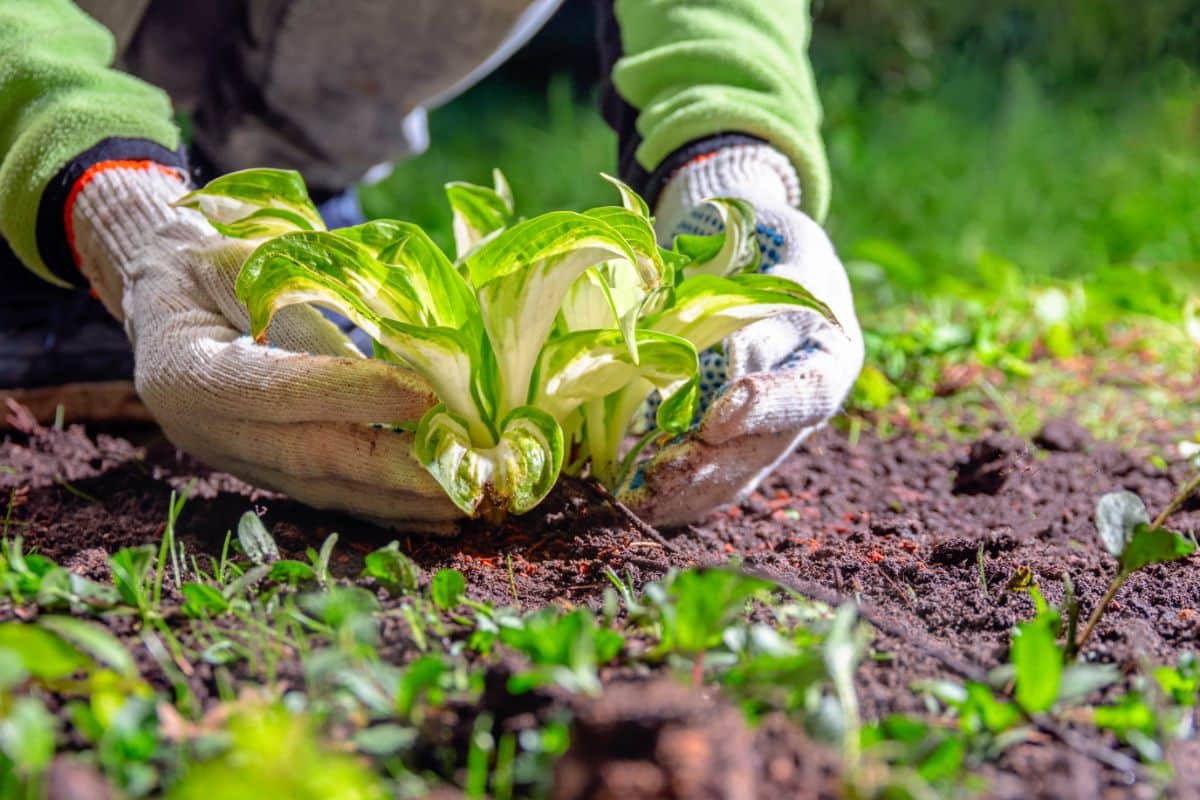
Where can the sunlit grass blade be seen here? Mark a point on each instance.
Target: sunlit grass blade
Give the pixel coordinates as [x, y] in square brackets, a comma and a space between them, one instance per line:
[256, 204]
[511, 476]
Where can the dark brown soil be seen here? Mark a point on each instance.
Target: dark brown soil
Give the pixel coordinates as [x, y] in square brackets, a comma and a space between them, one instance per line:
[900, 524]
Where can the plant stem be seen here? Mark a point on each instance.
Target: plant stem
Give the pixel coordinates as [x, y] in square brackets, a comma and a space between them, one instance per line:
[1098, 612]
[1070, 603]
[983, 587]
[512, 583]
[1176, 501]
[698, 670]
[637, 522]
[627, 463]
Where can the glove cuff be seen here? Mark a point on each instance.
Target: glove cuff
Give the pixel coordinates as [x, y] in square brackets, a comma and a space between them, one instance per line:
[53, 220]
[115, 212]
[755, 172]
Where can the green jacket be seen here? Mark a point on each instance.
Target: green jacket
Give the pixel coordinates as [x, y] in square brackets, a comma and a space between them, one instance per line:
[331, 88]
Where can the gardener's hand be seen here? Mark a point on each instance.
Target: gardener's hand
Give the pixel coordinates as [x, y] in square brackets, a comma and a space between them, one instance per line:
[293, 417]
[777, 380]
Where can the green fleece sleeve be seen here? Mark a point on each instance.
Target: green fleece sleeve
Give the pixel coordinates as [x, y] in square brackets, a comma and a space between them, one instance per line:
[59, 98]
[699, 68]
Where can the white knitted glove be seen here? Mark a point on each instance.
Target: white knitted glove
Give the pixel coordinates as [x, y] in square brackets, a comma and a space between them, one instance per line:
[777, 380]
[295, 416]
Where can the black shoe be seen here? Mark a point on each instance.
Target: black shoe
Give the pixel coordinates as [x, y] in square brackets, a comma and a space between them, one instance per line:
[51, 336]
[59, 346]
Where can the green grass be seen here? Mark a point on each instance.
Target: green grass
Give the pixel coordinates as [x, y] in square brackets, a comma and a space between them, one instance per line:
[993, 166]
[551, 148]
[989, 164]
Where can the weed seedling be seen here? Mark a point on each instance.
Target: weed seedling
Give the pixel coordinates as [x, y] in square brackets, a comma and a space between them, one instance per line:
[167, 546]
[278, 753]
[256, 541]
[131, 570]
[393, 570]
[695, 608]
[1125, 529]
[1160, 708]
[566, 649]
[448, 589]
[30, 576]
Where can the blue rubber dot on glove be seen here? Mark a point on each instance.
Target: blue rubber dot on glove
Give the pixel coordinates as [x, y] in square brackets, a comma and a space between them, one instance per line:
[769, 241]
[638, 479]
[714, 374]
[650, 410]
[806, 348]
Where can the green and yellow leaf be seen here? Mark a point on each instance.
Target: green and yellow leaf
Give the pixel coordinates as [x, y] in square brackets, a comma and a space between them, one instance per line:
[479, 211]
[708, 308]
[255, 204]
[511, 476]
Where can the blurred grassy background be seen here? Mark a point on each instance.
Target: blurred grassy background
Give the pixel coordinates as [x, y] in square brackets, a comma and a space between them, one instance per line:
[1016, 183]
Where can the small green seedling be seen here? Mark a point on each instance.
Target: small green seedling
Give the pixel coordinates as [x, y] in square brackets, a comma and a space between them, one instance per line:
[349, 612]
[1158, 710]
[279, 754]
[257, 542]
[92, 674]
[566, 649]
[1037, 658]
[541, 341]
[30, 576]
[393, 570]
[1040, 669]
[448, 588]
[132, 573]
[201, 600]
[1126, 531]
[696, 607]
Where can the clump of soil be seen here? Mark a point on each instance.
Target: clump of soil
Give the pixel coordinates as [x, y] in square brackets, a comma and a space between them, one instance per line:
[988, 465]
[657, 740]
[68, 779]
[1064, 435]
[925, 533]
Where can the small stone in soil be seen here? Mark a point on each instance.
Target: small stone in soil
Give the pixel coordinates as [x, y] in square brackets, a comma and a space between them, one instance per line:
[987, 466]
[1063, 435]
[657, 739]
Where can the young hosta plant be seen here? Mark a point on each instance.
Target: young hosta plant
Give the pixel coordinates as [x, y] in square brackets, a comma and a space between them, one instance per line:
[540, 341]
